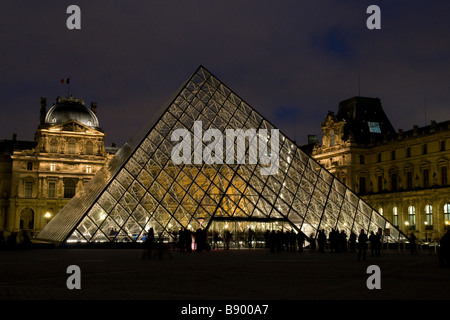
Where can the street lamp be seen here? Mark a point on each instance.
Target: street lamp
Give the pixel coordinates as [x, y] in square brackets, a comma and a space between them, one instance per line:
[47, 216]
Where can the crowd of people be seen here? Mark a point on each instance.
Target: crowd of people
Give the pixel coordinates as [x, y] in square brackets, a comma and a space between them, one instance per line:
[336, 241]
[15, 240]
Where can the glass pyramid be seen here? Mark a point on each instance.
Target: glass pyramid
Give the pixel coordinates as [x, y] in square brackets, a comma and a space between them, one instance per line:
[143, 187]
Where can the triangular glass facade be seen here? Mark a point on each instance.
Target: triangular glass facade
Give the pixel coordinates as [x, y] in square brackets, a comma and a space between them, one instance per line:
[144, 188]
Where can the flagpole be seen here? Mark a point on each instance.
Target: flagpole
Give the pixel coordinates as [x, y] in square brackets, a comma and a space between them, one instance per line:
[68, 87]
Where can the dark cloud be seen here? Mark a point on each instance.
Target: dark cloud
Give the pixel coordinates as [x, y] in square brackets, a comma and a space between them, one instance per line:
[285, 58]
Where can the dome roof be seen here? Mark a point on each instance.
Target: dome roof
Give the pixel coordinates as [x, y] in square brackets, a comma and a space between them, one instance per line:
[66, 109]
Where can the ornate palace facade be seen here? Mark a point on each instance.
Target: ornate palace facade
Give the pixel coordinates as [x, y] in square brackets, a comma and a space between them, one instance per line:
[401, 174]
[39, 177]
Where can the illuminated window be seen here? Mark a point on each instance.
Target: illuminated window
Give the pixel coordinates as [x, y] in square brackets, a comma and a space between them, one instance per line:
[374, 127]
[429, 215]
[53, 167]
[412, 217]
[447, 215]
[88, 169]
[395, 216]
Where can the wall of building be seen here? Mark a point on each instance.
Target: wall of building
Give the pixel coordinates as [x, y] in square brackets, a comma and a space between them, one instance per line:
[405, 174]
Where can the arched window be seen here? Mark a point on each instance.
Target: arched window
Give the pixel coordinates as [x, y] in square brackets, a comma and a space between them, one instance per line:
[395, 216]
[53, 146]
[89, 148]
[332, 139]
[429, 215]
[412, 217]
[71, 146]
[447, 215]
[27, 219]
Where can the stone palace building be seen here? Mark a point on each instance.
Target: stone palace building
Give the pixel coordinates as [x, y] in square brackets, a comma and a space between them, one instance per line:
[404, 175]
[37, 178]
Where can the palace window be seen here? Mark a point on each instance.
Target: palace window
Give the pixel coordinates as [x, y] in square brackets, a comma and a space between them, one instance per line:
[443, 145]
[426, 178]
[88, 168]
[89, 148]
[394, 182]
[28, 189]
[408, 152]
[447, 215]
[53, 167]
[393, 155]
[54, 146]
[30, 166]
[444, 176]
[332, 139]
[71, 146]
[395, 216]
[425, 148]
[69, 188]
[412, 217]
[374, 127]
[380, 183]
[52, 189]
[409, 180]
[362, 185]
[428, 216]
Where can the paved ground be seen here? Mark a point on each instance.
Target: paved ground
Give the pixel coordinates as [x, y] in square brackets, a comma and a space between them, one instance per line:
[122, 274]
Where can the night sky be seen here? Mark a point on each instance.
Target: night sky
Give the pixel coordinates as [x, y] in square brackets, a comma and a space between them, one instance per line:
[291, 60]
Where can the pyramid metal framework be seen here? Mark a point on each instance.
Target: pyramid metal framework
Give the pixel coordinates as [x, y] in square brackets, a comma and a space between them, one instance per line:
[142, 188]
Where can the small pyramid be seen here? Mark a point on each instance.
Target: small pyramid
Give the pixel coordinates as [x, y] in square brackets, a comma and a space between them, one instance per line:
[186, 169]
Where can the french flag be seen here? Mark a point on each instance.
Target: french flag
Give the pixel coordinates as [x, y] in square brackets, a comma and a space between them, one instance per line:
[65, 80]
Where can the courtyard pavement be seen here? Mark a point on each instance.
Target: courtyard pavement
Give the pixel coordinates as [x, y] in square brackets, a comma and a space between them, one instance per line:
[237, 274]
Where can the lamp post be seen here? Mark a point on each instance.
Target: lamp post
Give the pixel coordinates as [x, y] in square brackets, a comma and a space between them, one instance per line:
[426, 236]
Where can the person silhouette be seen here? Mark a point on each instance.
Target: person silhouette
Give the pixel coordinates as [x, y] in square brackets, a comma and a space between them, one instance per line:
[362, 244]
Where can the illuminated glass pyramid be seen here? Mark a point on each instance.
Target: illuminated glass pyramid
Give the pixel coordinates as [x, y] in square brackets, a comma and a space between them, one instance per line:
[143, 187]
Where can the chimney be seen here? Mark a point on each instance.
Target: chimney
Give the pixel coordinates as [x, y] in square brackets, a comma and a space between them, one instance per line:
[43, 111]
[94, 107]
